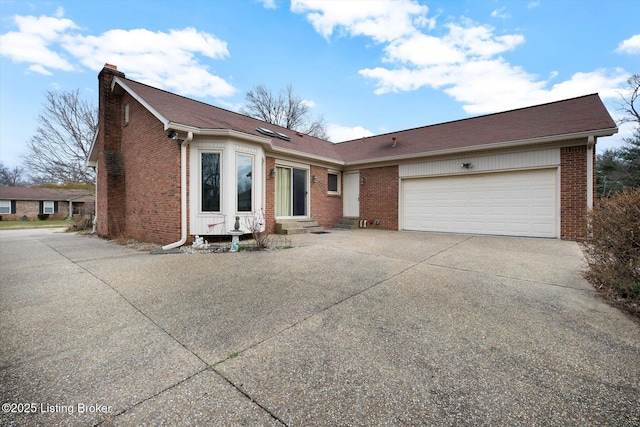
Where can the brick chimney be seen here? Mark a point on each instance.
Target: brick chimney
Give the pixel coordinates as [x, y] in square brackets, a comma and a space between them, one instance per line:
[111, 173]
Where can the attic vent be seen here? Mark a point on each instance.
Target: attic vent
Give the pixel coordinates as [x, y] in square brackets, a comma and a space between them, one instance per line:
[269, 132]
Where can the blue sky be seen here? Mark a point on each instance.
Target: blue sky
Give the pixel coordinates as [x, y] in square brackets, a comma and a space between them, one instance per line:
[366, 67]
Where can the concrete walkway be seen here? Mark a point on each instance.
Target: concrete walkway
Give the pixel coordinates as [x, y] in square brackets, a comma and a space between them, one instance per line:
[362, 327]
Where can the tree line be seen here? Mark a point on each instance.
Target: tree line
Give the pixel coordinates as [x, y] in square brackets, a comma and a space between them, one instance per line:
[56, 153]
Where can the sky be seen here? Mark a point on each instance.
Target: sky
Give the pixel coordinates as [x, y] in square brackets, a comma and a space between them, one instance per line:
[365, 67]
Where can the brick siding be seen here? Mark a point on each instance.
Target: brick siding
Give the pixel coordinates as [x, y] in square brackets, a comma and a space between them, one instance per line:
[326, 209]
[152, 178]
[270, 196]
[379, 197]
[573, 192]
[31, 208]
[138, 181]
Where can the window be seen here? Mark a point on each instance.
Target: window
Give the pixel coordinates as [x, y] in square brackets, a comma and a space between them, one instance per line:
[333, 183]
[210, 181]
[48, 207]
[244, 170]
[5, 207]
[126, 113]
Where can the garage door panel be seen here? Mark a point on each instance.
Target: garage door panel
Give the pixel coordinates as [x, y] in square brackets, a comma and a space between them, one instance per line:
[519, 203]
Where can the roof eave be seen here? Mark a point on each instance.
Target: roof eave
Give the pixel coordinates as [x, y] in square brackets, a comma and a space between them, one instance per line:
[92, 157]
[118, 81]
[493, 146]
[268, 142]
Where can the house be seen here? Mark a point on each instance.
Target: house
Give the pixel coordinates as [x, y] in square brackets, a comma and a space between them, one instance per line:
[19, 202]
[170, 167]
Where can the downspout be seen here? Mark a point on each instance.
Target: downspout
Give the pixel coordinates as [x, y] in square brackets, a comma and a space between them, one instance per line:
[183, 194]
[94, 227]
[590, 144]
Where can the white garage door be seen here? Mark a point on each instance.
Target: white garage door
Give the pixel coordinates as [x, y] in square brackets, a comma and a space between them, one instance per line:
[506, 203]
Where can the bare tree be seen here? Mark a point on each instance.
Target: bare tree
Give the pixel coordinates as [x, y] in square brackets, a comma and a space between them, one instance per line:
[58, 150]
[285, 109]
[627, 104]
[11, 177]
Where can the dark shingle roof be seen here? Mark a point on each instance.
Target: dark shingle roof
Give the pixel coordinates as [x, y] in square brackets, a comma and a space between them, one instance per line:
[186, 111]
[541, 122]
[37, 193]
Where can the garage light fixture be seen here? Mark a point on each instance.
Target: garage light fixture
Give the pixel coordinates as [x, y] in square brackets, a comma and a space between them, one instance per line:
[466, 165]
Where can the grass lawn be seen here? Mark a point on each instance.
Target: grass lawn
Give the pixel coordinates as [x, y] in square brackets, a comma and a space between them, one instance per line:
[16, 225]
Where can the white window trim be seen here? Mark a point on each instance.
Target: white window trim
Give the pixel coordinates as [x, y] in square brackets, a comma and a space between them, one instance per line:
[219, 152]
[5, 204]
[48, 207]
[253, 176]
[339, 183]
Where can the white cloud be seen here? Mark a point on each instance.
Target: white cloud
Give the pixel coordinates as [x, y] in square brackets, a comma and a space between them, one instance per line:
[37, 68]
[383, 21]
[309, 103]
[174, 60]
[31, 43]
[269, 4]
[630, 45]
[339, 133]
[533, 4]
[465, 61]
[500, 13]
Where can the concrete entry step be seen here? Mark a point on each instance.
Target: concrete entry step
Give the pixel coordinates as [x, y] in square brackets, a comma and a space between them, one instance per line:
[348, 222]
[296, 226]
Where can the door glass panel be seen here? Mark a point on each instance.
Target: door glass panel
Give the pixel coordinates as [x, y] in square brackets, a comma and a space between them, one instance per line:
[283, 192]
[299, 192]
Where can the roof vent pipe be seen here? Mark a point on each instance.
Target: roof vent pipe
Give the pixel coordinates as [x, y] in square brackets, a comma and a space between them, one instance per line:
[394, 142]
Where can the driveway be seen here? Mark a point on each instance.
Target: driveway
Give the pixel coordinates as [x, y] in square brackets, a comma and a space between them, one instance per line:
[362, 327]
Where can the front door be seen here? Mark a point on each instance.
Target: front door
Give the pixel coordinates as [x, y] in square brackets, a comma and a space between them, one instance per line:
[291, 192]
[351, 206]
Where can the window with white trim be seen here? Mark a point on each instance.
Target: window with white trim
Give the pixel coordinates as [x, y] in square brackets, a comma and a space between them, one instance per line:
[244, 177]
[333, 182]
[210, 181]
[5, 207]
[48, 207]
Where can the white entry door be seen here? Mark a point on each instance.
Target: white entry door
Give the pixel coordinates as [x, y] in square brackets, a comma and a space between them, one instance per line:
[351, 200]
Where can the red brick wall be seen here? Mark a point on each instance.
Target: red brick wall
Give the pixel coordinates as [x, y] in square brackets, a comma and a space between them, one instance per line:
[152, 180]
[111, 200]
[573, 192]
[31, 208]
[138, 171]
[326, 209]
[270, 196]
[379, 196]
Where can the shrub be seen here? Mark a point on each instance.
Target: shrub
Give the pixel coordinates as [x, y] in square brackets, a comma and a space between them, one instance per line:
[43, 217]
[613, 249]
[81, 225]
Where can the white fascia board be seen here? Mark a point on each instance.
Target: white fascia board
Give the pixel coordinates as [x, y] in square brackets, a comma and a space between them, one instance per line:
[137, 97]
[487, 147]
[92, 157]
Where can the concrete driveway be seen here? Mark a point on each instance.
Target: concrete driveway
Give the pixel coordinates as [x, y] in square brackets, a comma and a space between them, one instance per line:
[362, 327]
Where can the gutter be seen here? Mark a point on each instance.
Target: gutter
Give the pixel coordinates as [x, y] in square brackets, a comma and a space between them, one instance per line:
[492, 146]
[183, 194]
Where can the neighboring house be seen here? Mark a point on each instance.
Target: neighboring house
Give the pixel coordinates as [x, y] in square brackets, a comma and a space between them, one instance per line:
[169, 167]
[19, 202]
